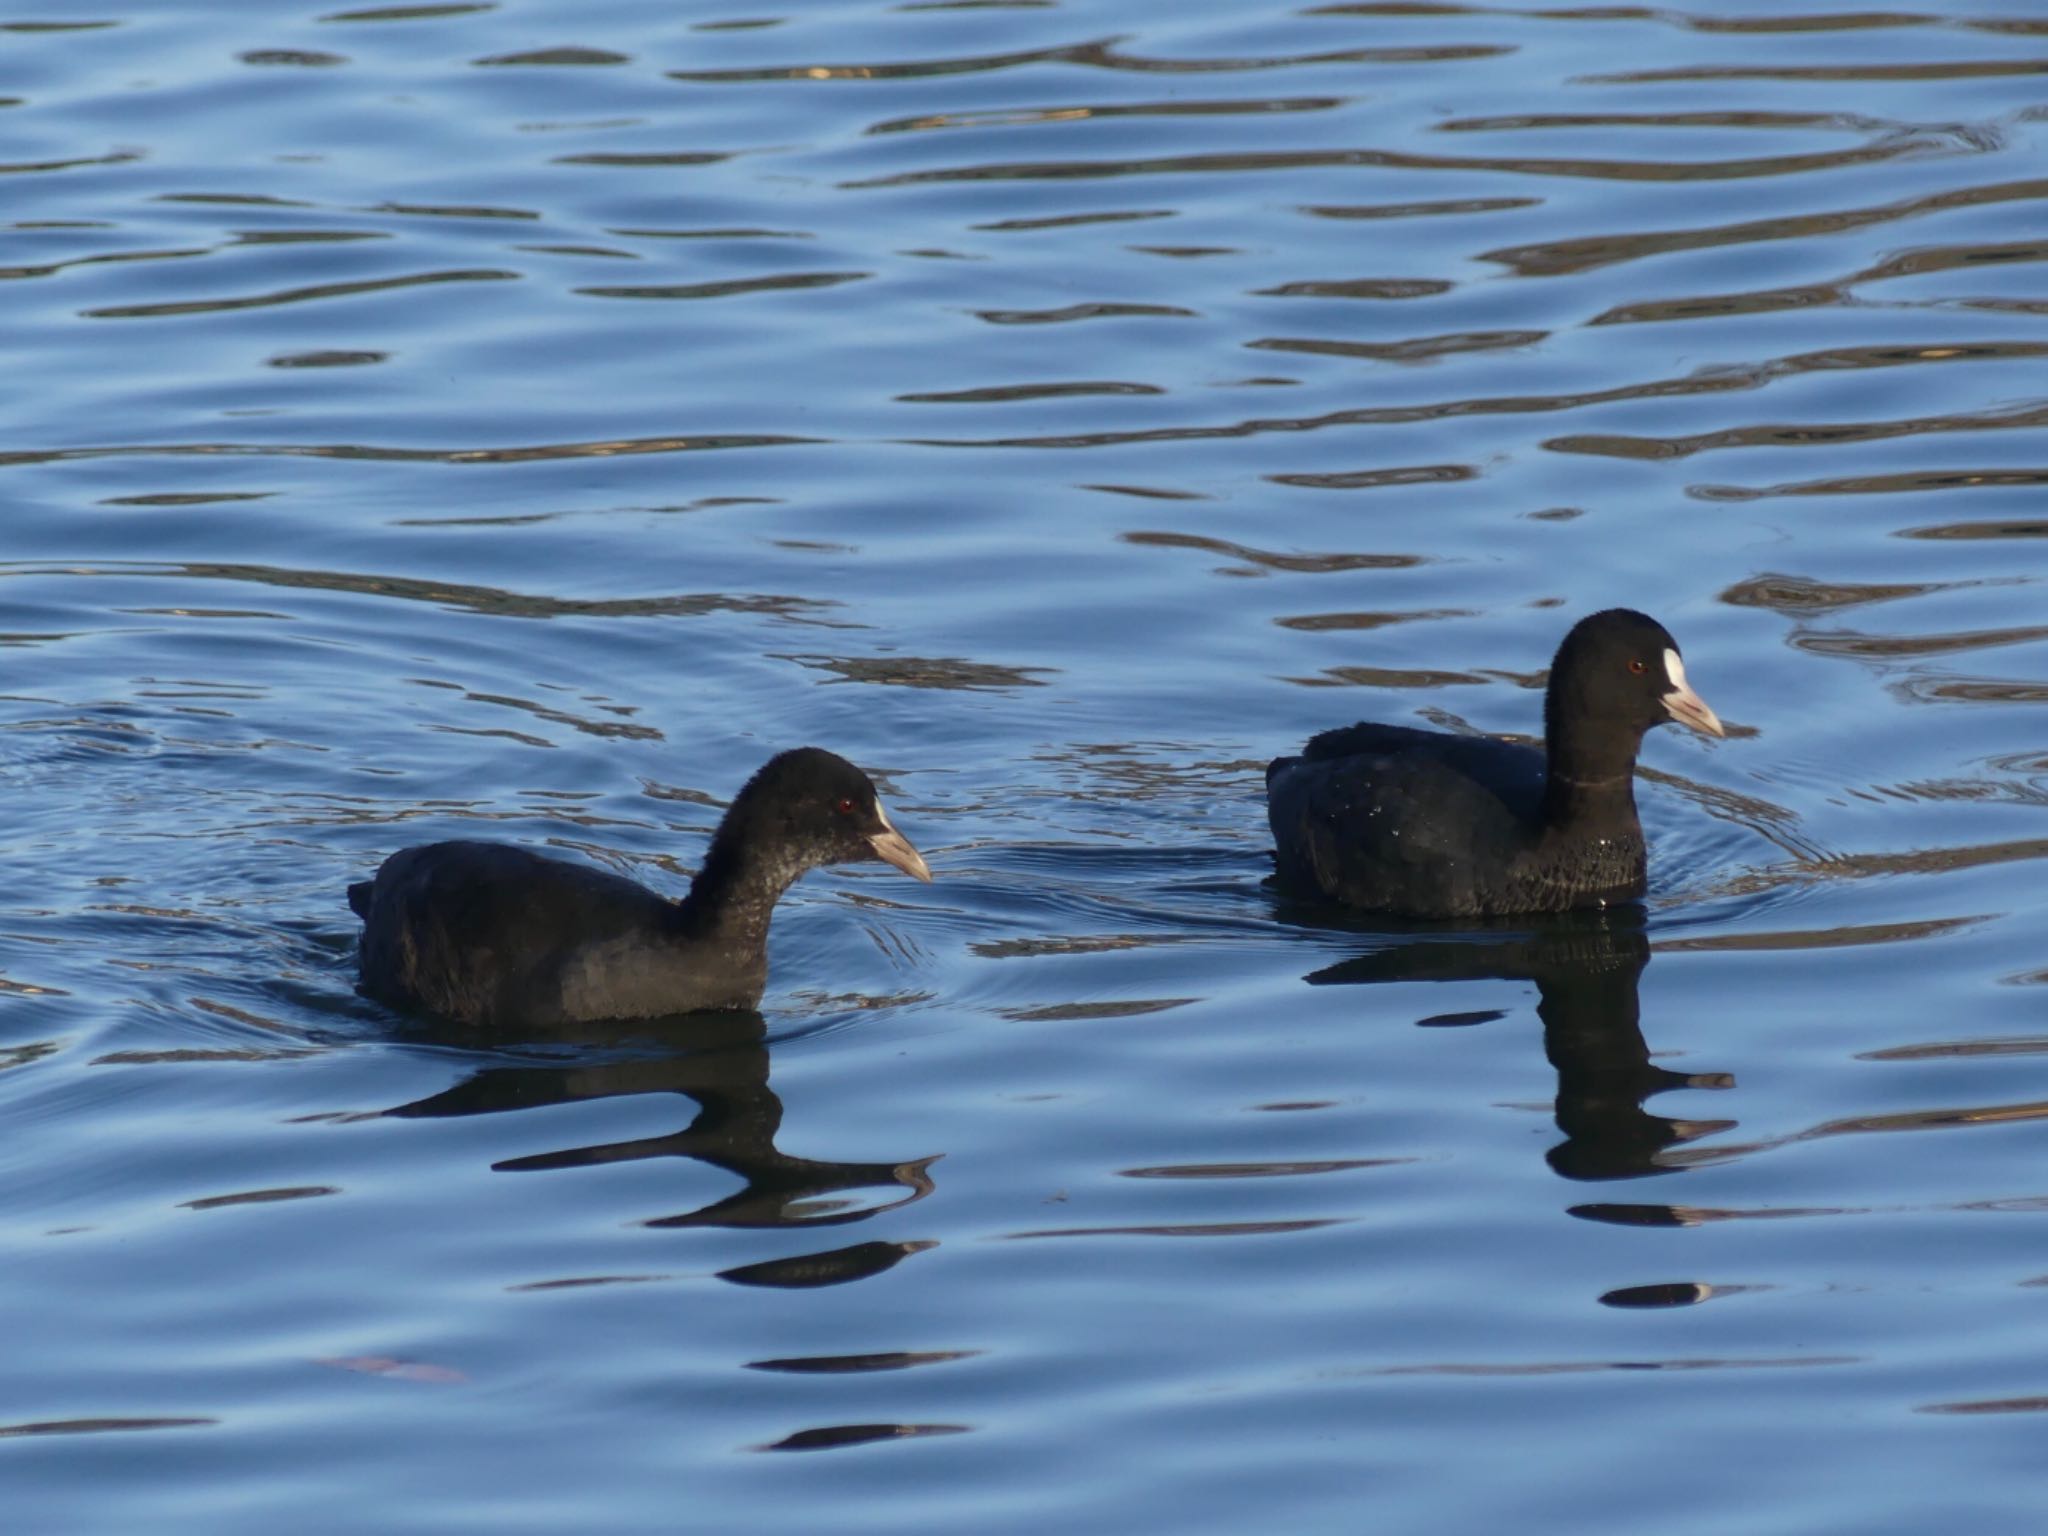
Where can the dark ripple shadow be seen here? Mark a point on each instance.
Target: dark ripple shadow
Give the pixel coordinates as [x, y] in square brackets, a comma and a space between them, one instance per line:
[568, 55]
[947, 672]
[604, 448]
[811, 1271]
[1015, 117]
[781, 282]
[475, 599]
[1101, 54]
[1913, 263]
[1955, 69]
[1585, 253]
[100, 1426]
[849, 1365]
[1010, 394]
[1258, 561]
[1267, 162]
[1943, 1118]
[1414, 349]
[1794, 596]
[1716, 380]
[73, 163]
[1376, 479]
[832, 1437]
[1692, 21]
[1902, 482]
[1512, 1369]
[1872, 647]
[1823, 434]
[1086, 310]
[310, 294]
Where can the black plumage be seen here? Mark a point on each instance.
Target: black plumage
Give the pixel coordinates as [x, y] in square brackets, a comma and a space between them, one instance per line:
[1416, 823]
[500, 937]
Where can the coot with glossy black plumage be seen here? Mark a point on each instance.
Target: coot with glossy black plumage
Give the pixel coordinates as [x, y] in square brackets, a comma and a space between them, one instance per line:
[1419, 823]
[500, 937]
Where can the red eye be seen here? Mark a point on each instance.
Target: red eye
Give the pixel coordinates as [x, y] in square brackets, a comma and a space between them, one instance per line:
[1638, 668]
[844, 807]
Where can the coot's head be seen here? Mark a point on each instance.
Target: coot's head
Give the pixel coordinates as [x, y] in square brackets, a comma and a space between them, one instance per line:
[815, 807]
[1620, 671]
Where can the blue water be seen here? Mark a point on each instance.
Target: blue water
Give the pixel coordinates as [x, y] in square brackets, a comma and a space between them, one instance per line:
[519, 420]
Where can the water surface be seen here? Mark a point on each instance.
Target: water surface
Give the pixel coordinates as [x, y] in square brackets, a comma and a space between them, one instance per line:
[519, 420]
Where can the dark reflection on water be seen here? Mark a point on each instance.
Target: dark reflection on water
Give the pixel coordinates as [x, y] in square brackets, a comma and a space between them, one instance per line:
[860, 1261]
[1587, 968]
[1019, 115]
[922, 671]
[1961, 69]
[98, 1426]
[293, 295]
[721, 1062]
[1095, 55]
[835, 1436]
[1582, 253]
[835, 1365]
[523, 454]
[1717, 381]
[478, 599]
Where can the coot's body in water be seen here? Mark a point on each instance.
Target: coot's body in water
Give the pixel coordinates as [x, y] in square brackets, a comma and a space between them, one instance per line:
[499, 937]
[1418, 823]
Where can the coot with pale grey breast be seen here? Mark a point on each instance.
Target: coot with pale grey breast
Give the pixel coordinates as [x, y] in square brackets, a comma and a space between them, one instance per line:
[1418, 823]
[500, 937]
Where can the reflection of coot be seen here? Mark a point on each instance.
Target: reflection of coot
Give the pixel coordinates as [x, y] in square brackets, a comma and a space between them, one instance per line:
[501, 937]
[721, 1062]
[1387, 818]
[1586, 967]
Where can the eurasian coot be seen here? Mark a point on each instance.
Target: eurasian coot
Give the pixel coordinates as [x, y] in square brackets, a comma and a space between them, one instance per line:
[1424, 824]
[500, 937]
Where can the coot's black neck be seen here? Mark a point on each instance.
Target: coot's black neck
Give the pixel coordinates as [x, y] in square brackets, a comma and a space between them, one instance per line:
[1590, 770]
[735, 892]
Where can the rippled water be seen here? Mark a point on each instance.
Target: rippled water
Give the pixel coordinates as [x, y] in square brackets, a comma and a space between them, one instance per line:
[519, 420]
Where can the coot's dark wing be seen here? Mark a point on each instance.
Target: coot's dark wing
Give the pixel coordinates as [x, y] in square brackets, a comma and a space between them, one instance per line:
[482, 933]
[1509, 769]
[1397, 820]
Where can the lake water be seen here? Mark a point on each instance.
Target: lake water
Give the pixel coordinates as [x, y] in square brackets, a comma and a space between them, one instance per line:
[519, 420]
